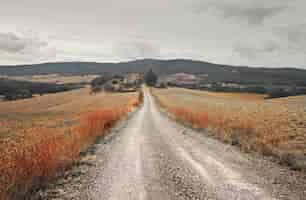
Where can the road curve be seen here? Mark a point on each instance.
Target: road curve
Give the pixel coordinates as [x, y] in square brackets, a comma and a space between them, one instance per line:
[152, 157]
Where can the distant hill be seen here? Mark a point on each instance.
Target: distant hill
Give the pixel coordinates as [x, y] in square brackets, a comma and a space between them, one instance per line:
[215, 72]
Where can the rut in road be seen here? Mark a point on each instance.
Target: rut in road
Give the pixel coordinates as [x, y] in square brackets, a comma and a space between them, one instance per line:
[152, 157]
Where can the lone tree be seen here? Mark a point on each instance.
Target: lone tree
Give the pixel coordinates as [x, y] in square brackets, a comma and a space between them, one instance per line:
[150, 78]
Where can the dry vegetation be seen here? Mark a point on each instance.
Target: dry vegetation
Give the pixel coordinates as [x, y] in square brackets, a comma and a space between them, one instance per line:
[237, 96]
[42, 136]
[54, 78]
[272, 127]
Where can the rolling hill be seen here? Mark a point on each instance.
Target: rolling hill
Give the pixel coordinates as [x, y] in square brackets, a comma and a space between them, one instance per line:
[215, 72]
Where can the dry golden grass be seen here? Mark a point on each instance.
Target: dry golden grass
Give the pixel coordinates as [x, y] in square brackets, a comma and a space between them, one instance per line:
[44, 135]
[272, 127]
[54, 78]
[238, 96]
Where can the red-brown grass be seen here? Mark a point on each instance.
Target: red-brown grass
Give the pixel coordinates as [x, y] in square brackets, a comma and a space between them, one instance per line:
[271, 127]
[27, 162]
[227, 126]
[236, 131]
[24, 164]
[196, 119]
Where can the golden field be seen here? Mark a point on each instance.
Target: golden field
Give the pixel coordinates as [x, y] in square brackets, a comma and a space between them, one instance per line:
[273, 127]
[54, 78]
[43, 135]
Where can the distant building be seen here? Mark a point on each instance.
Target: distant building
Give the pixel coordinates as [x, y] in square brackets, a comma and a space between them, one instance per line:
[117, 83]
[114, 84]
[183, 78]
[132, 79]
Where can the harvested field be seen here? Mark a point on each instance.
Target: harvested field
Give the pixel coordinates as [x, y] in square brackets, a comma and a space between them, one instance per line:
[54, 78]
[238, 96]
[43, 135]
[275, 127]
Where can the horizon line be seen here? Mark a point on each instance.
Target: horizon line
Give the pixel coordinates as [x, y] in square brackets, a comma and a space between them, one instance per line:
[154, 59]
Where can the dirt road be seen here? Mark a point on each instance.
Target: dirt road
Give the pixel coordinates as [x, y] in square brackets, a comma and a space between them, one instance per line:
[152, 157]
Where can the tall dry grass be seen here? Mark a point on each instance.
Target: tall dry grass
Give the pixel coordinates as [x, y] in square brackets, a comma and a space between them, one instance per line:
[259, 126]
[27, 162]
[184, 114]
[239, 131]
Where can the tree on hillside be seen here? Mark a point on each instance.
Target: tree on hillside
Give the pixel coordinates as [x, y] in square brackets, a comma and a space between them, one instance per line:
[150, 78]
[97, 83]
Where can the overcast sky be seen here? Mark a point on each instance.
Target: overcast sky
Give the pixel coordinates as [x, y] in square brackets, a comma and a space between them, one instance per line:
[239, 32]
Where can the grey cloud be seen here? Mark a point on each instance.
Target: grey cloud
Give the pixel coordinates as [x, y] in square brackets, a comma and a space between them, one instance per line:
[245, 50]
[136, 49]
[294, 35]
[24, 48]
[11, 43]
[252, 51]
[112, 31]
[252, 13]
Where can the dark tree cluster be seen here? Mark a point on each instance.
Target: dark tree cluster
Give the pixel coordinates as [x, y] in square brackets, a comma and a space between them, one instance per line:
[14, 90]
[150, 78]
[286, 92]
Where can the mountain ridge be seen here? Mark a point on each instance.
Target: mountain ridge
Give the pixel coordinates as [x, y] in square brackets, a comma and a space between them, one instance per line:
[215, 72]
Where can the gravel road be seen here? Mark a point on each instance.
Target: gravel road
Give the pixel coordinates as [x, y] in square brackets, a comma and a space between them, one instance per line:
[152, 157]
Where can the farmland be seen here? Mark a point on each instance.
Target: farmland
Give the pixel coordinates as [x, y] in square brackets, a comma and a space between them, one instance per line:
[53, 78]
[274, 127]
[45, 134]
